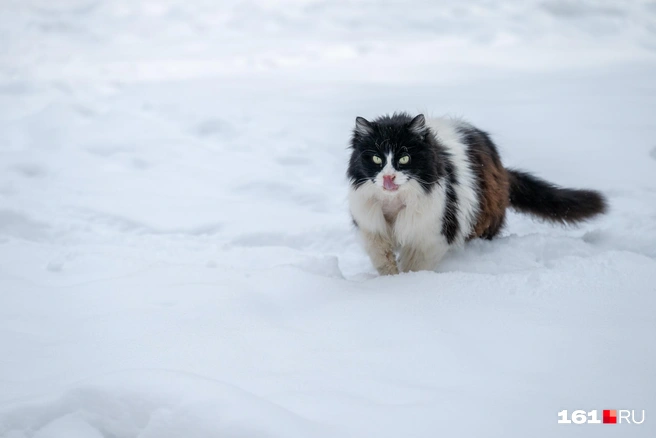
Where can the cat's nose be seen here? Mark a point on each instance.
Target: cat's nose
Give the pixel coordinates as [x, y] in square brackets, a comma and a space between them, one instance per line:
[388, 182]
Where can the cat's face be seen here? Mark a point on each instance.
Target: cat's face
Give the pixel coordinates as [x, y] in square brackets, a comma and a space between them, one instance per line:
[394, 153]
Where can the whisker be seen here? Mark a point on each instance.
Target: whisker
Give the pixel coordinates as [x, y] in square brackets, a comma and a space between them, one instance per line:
[416, 178]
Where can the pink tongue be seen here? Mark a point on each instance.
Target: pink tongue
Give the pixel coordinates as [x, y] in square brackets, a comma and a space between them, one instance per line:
[389, 184]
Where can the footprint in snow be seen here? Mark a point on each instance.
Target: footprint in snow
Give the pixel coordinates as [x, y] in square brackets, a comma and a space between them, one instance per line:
[213, 128]
[17, 225]
[30, 170]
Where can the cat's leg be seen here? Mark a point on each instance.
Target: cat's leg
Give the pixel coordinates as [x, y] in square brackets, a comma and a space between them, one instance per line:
[422, 256]
[381, 252]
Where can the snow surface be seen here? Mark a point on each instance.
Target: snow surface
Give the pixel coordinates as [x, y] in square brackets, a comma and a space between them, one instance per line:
[176, 256]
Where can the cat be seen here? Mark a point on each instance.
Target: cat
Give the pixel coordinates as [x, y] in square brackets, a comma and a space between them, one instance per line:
[419, 187]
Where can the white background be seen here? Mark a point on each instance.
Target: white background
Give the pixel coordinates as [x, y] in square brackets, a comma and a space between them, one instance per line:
[176, 254]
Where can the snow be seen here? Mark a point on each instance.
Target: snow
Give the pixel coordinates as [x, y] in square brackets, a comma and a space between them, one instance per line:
[176, 255]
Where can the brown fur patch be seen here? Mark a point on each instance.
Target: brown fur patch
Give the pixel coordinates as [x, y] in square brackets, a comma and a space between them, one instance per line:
[493, 186]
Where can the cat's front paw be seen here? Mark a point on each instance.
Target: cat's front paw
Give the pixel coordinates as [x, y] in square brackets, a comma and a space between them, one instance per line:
[388, 269]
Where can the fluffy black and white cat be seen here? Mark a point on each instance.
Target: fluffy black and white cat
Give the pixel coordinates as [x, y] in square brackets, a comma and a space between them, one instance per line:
[419, 187]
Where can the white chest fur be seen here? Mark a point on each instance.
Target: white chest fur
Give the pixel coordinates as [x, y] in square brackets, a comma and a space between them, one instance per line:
[408, 217]
[409, 222]
[391, 207]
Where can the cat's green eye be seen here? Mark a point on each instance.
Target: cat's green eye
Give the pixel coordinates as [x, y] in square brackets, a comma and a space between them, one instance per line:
[378, 160]
[404, 159]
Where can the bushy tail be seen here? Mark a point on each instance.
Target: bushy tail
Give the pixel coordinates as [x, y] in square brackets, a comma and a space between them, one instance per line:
[532, 195]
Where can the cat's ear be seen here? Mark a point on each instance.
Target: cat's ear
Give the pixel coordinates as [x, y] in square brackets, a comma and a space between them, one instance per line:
[363, 126]
[418, 124]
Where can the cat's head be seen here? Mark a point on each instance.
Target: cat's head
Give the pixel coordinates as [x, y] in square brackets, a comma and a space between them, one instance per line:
[394, 153]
